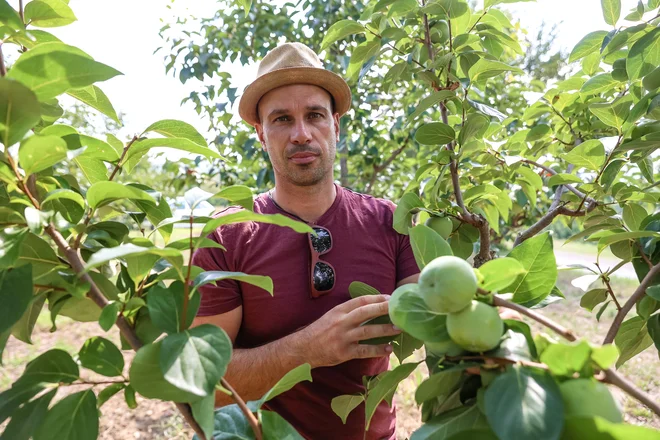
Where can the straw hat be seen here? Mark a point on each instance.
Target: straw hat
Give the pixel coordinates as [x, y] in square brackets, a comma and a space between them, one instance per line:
[292, 63]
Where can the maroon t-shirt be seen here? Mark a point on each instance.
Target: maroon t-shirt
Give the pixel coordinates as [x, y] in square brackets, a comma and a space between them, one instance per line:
[365, 248]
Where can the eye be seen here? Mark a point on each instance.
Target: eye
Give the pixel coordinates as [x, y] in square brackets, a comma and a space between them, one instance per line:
[282, 119]
[315, 115]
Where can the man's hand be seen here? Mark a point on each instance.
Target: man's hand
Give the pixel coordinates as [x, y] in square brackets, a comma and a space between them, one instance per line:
[333, 338]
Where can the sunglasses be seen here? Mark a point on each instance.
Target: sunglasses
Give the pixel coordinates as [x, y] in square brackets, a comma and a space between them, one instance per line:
[322, 276]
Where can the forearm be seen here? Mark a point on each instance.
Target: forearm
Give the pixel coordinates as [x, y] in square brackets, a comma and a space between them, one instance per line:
[253, 371]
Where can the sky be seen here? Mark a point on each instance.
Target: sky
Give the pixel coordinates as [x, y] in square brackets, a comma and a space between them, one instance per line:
[124, 35]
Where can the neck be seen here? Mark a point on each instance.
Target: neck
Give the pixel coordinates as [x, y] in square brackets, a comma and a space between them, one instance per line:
[307, 202]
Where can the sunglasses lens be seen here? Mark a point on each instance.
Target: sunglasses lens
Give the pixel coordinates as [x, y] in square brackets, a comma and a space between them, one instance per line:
[324, 277]
[322, 242]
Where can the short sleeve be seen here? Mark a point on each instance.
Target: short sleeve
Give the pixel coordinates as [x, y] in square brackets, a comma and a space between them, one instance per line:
[405, 261]
[226, 295]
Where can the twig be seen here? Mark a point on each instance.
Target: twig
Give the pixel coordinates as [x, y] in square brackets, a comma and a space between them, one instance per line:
[611, 376]
[636, 296]
[571, 188]
[644, 257]
[557, 328]
[20, 10]
[478, 20]
[388, 162]
[3, 68]
[570, 126]
[427, 35]
[123, 154]
[376, 34]
[45, 287]
[498, 360]
[254, 423]
[609, 157]
[606, 280]
[186, 284]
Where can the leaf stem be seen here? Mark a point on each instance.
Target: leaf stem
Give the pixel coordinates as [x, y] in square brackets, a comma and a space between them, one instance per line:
[123, 154]
[606, 280]
[186, 284]
[254, 423]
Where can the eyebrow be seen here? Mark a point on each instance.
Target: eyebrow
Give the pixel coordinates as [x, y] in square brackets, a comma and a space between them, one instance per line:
[310, 108]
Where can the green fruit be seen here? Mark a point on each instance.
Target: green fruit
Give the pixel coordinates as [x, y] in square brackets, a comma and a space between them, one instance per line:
[619, 64]
[476, 328]
[397, 317]
[441, 225]
[652, 80]
[447, 284]
[620, 75]
[444, 348]
[589, 398]
[440, 32]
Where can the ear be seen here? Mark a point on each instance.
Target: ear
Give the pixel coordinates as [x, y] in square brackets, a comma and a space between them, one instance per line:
[260, 134]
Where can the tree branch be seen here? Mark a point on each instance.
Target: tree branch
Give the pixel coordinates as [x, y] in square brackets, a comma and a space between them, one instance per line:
[557, 328]
[614, 378]
[254, 423]
[571, 188]
[123, 154]
[606, 280]
[388, 162]
[636, 296]
[20, 10]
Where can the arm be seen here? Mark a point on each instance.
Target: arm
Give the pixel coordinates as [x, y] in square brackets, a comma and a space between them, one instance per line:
[329, 341]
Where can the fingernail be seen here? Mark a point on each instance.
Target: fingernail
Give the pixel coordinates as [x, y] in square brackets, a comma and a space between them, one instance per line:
[388, 348]
[395, 328]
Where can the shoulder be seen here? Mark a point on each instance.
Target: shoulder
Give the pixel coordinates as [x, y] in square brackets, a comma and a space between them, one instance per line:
[368, 203]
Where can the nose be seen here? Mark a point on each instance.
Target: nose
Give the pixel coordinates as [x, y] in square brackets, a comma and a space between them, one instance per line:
[300, 133]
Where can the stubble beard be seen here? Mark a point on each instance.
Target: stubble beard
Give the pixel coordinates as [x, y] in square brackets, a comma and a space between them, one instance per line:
[308, 174]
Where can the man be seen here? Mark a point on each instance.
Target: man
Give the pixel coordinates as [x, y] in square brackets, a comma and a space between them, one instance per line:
[295, 106]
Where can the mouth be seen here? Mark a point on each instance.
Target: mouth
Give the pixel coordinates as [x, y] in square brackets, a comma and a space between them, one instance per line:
[303, 158]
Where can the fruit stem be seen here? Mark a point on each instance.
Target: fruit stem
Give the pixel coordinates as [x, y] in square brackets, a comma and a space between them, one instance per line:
[563, 331]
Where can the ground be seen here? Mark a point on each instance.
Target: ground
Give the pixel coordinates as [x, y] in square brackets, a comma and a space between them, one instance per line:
[159, 420]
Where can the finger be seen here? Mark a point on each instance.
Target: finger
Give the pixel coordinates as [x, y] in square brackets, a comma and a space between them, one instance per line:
[473, 370]
[365, 313]
[361, 301]
[509, 314]
[365, 332]
[364, 351]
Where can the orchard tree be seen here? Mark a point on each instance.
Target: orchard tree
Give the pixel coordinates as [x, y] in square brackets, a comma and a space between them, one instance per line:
[491, 174]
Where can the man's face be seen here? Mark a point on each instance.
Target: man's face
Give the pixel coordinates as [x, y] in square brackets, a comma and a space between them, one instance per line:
[299, 132]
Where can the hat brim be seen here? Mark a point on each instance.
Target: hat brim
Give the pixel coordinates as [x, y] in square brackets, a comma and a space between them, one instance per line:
[333, 83]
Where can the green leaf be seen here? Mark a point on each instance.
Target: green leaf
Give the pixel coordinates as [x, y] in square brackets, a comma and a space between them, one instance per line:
[500, 273]
[613, 114]
[246, 5]
[19, 111]
[429, 102]
[103, 193]
[275, 427]
[566, 359]
[427, 245]
[22, 330]
[230, 423]
[25, 421]
[9, 16]
[579, 428]
[451, 423]
[166, 306]
[563, 178]
[524, 404]
[148, 380]
[484, 69]
[129, 250]
[644, 55]
[407, 206]
[489, 3]
[387, 384]
[264, 282]
[108, 315]
[411, 313]
[37, 252]
[108, 392]
[589, 154]
[358, 288]
[611, 11]
[93, 169]
[101, 356]
[339, 31]
[435, 133]
[474, 128]
[74, 417]
[653, 326]
[95, 98]
[592, 298]
[447, 8]
[52, 366]
[202, 411]
[633, 214]
[345, 404]
[49, 13]
[605, 356]
[50, 69]
[184, 244]
[15, 295]
[238, 194]
[15, 396]
[599, 83]
[244, 216]
[40, 152]
[621, 236]
[288, 381]
[587, 45]
[538, 259]
[60, 194]
[195, 360]
[440, 385]
[10, 246]
[631, 339]
[172, 128]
